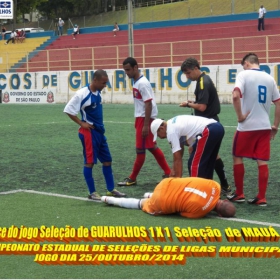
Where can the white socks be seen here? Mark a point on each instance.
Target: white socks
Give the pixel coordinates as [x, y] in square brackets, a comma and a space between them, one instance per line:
[131, 203]
[148, 194]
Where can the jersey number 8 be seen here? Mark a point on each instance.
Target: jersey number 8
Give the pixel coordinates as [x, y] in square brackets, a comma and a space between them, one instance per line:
[262, 94]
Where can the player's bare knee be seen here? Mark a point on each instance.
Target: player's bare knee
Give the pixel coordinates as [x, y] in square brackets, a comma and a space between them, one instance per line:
[107, 163]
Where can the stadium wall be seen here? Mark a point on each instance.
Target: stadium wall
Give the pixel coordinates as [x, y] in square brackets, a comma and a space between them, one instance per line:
[169, 84]
[40, 34]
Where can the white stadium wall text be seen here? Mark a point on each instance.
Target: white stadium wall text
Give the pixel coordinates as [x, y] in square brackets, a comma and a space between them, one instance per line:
[169, 84]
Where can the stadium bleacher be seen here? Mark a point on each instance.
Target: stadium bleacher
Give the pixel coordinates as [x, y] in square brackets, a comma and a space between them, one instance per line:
[170, 34]
[63, 52]
[13, 53]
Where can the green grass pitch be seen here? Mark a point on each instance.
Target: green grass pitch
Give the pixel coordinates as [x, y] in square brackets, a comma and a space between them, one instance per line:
[40, 151]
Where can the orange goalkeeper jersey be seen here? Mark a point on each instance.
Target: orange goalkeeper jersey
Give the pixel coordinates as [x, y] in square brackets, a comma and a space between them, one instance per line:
[191, 197]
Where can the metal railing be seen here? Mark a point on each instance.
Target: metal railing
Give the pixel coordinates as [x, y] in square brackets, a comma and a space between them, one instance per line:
[171, 54]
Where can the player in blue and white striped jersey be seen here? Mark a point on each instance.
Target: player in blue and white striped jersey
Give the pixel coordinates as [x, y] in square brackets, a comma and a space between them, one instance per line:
[88, 102]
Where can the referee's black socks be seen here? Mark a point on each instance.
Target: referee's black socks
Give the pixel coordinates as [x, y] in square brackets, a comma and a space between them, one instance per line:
[219, 168]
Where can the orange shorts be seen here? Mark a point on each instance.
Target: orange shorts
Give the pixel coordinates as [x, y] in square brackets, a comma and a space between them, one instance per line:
[153, 204]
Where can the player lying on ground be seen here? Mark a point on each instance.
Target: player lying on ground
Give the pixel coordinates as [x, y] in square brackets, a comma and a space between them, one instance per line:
[191, 197]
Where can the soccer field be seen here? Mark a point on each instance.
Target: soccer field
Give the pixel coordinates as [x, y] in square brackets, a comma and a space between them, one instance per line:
[42, 184]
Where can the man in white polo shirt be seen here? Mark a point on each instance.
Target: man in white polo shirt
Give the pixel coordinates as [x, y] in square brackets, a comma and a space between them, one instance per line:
[203, 136]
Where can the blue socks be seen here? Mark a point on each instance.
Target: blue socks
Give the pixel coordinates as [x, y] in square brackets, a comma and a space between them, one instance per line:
[109, 178]
[108, 175]
[89, 179]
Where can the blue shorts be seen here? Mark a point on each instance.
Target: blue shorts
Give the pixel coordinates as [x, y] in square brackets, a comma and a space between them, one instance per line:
[205, 151]
[95, 146]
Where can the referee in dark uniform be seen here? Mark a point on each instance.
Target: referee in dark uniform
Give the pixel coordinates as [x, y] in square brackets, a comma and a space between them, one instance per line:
[206, 105]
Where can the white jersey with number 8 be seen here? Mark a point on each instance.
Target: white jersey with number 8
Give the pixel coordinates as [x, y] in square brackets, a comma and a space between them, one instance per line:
[257, 90]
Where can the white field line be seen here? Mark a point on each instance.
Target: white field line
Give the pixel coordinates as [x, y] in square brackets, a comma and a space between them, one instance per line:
[85, 199]
[9, 192]
[114, 122]
[50, 194]
[250, 222]
[60, 195]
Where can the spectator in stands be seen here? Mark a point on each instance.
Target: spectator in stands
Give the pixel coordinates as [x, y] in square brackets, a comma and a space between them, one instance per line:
[21, 36]
[60, 26]
[75, 31]
[17, 35]
[262, 12]
[116, 28]
[3, 31]
[12, 37]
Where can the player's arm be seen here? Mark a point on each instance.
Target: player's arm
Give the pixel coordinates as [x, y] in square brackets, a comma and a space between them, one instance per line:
[178, 163]
[200, 105]
[148, 113]
[274, 127]
[178, 152]
[204, 84]
[237, 105]
[191, 104]
[79, 122]
[196, 106]
[72, 110]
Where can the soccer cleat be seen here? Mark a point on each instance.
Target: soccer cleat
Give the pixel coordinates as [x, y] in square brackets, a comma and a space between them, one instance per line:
[94, 196]
[226, 190]
[257, 201]
[115, 193]
[127, 182]
[233, 197]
